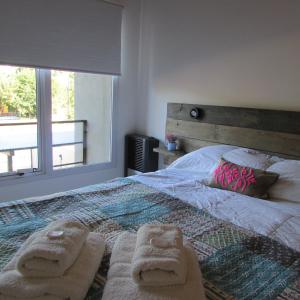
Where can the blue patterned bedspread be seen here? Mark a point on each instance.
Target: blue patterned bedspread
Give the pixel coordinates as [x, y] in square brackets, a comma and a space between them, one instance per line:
[236, 263]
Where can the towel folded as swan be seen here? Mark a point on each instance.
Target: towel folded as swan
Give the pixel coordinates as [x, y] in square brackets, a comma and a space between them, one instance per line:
[120, 284]
[159, 258]
[73, 285]
[46, 257]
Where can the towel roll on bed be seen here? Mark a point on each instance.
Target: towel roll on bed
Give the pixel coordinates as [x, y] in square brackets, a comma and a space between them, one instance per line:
[46, 255]
[159, 258]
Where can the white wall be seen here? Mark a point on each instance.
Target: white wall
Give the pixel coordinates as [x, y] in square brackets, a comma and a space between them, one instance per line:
[218, 52]
[124, 115]
[92, 94]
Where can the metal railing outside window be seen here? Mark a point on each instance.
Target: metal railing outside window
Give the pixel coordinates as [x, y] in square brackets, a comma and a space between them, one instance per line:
[64, 140]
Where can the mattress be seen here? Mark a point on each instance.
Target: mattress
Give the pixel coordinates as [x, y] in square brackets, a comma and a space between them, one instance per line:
[243, 254]
[274, 218]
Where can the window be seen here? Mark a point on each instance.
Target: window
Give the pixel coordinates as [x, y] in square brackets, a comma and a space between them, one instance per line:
[18, 120]
[81, 118]
[80, 127]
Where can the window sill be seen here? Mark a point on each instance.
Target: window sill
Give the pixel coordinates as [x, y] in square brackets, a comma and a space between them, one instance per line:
[33, 177]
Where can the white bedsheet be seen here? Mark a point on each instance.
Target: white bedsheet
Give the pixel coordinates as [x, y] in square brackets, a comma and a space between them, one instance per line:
[277, 219]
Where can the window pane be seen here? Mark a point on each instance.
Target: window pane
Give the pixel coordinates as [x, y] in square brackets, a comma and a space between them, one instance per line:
[18, 119]
[81, 118]
[67, 156]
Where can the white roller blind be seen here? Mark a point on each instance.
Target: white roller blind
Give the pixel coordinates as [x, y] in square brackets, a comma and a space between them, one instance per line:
[78, 35]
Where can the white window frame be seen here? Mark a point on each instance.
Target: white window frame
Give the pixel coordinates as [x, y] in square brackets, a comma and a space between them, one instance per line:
[46, 170]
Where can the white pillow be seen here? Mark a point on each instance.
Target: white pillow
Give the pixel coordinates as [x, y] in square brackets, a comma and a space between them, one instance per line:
[250, 158]
[288, 185]
[202, 160]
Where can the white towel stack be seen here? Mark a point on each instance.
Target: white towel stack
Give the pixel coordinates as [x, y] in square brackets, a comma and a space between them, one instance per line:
[153, 264]
[58, 262]
[159, 258]
[46, 256]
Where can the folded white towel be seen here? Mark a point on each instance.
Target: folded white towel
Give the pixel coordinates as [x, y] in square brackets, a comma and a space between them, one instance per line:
[120, 285]
[44, 255]
[73, 285]
[159, 258]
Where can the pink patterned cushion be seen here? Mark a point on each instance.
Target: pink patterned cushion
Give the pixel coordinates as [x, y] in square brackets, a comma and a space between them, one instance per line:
[243, 180]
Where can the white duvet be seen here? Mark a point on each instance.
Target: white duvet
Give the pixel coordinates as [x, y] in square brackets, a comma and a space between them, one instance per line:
[277, 219]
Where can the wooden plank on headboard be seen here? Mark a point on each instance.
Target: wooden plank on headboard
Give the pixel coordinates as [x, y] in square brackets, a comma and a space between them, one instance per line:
[252, 128]
[262, 119]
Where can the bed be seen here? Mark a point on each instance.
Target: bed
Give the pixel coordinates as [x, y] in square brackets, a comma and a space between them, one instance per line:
[248, 248]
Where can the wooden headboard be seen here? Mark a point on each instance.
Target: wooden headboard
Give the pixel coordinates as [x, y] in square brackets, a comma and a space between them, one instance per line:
[271, 131]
